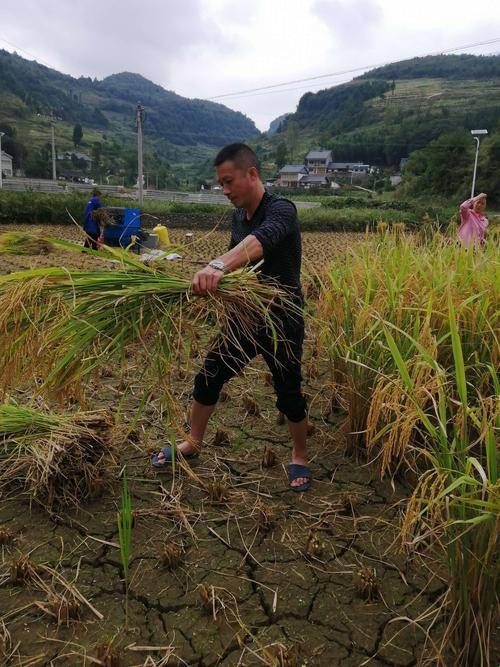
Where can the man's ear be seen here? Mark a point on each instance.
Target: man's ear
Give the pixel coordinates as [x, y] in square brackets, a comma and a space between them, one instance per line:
[253, 172]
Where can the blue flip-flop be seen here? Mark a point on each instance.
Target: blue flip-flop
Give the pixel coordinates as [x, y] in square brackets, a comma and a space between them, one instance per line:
[167, 453]
[295, 470]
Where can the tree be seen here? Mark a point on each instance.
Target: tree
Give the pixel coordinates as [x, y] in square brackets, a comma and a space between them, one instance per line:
[442, 168]
[280, 155]
[292, 137]
[77, 135]
[488, 173]
[96, 159]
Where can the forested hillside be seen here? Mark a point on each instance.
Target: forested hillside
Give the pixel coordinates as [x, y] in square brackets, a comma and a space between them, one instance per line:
[388, 112]
[426, 104]
[176, 129]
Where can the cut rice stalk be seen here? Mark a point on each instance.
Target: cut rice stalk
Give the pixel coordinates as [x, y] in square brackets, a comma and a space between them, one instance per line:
[91, 316]
[20, 243]
[57, 458]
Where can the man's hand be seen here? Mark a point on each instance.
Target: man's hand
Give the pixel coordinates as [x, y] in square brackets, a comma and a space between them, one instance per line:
[206, 280]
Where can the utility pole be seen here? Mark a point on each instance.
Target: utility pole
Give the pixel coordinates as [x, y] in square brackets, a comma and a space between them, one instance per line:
[54, 175]
[139, 118]
[1, 175]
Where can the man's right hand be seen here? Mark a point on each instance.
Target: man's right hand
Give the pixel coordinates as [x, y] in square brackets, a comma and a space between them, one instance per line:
[206, 280]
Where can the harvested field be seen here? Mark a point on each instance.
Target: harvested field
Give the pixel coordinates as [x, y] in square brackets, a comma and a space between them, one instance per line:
[228, 566]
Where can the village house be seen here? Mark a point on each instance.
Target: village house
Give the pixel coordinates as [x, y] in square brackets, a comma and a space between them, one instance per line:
[352, 167]
[314, 180]
[291, 175]
[72, 155]
[318, 171]
[6, 164]
[317, 162]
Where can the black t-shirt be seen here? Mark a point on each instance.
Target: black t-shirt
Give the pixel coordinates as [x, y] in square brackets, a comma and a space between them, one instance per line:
[275, 224]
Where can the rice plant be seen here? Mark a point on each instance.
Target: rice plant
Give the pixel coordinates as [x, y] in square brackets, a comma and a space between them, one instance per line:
[124, 521]
[412, 332]
[405, 284]
[454, 511]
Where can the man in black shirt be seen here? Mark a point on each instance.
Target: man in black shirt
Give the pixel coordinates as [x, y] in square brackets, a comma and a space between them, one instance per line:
[264, 227]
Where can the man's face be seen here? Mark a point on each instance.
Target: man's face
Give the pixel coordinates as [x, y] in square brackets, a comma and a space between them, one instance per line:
[237, 183]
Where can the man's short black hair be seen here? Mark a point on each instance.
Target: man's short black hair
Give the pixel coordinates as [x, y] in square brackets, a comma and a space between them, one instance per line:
[241, 154]
[96, 192]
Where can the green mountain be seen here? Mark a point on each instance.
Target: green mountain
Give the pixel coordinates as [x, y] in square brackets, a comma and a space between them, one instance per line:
[177, 130]
[387, 113]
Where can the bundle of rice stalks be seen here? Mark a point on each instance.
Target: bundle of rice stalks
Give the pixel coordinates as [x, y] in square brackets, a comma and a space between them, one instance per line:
[20, 243]
[64, 324]
[56, 458]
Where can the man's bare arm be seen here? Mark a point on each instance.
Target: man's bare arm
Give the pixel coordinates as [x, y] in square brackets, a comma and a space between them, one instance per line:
[246, 251]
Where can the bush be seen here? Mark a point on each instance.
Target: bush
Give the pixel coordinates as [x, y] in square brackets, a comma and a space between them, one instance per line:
[349, 214]
[24, 208]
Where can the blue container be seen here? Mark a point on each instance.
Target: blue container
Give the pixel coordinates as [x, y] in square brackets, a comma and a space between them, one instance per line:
[126, 222]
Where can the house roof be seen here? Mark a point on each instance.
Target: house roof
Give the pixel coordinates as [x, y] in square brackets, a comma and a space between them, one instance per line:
[78, 156]
[346, 165]
[81, 156]
[318, 155]
[7, 155]
[293, 169]
[314, 178]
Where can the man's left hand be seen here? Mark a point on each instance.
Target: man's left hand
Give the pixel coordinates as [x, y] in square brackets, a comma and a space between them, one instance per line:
[206, 280]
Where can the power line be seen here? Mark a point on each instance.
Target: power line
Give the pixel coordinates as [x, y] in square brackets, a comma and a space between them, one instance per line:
[348, 71]
[18, 48]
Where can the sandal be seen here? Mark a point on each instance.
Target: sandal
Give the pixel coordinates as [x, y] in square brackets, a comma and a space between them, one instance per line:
[167, 453]
[295, 471]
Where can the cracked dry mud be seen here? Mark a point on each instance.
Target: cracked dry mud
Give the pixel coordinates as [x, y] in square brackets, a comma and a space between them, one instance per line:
[249, 589]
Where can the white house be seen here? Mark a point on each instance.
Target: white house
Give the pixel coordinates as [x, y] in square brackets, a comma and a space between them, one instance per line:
[317, 162]
[291, 174]
[6, 164]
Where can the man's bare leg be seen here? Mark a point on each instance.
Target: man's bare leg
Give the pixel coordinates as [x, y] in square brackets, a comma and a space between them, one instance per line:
[200, 416]
[298, 431]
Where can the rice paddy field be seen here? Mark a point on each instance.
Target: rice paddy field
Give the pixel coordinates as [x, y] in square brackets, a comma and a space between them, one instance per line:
[391, 559]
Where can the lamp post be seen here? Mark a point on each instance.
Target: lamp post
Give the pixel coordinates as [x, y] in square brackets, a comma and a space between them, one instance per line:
[1, 175]
[475, 134]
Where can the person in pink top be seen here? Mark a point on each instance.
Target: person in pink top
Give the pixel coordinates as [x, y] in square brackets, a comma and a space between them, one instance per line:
[472, 221]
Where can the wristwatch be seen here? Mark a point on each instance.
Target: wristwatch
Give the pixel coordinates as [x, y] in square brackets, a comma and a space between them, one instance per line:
[218, 264]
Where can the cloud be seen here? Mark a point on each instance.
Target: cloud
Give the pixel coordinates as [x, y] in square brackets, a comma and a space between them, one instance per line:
[352, 23]
[95, 38]
[204, 48]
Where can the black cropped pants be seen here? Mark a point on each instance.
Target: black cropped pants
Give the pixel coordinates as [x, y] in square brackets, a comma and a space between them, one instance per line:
[227, 358]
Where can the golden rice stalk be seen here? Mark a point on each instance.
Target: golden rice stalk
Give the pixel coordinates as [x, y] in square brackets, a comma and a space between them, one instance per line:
[65, 323]
[56, 458]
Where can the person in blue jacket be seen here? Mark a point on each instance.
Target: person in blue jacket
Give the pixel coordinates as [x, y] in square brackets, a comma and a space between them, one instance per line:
[91, 227]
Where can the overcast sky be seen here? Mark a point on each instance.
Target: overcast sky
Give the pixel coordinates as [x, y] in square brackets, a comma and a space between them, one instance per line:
[205, 48]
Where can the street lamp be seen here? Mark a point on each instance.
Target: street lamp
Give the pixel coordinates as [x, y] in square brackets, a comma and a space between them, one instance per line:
[1, 175]
[474, 134]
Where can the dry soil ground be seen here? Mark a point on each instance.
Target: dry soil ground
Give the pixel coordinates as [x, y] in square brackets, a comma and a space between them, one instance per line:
[259, 575]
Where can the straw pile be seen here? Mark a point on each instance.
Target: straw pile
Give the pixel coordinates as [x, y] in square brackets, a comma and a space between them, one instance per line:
[62, 458]
[20, 243]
